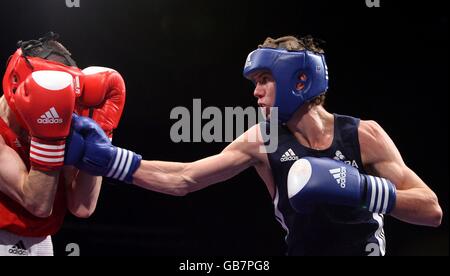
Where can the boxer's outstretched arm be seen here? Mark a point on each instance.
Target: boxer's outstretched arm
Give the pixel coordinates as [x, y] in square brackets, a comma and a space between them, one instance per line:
[179, 179]
[90, 150]
[416, 203]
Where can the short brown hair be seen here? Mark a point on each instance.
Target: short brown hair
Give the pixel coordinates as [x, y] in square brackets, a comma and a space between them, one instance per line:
[292, 43]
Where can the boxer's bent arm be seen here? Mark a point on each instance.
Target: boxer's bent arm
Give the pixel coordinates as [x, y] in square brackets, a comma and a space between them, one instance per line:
[182, 178]
[416, 203]
[82, 191]
[34, 190]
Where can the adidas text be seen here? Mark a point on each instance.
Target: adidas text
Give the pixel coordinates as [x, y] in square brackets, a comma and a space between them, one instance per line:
[343, 178]
[16, 251]
[340, 174]
[289, 155]
[49, 121]
[289, 158]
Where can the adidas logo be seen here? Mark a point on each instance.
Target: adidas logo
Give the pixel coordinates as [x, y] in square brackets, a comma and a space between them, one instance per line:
[50, 117]
[18, 249]
[289, 156]
[340, 174]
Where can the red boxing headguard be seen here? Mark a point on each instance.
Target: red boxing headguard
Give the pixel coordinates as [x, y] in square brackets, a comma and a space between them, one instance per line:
[27, 60]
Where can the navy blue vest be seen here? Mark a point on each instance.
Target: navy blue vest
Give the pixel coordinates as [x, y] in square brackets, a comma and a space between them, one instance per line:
[329, 229]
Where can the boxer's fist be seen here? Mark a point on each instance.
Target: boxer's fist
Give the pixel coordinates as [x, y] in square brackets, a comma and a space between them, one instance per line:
[45, 101]
[314, 181]
[103, 97]
[90, 150]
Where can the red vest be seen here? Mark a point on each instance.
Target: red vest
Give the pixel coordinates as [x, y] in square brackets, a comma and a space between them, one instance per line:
[16, 219]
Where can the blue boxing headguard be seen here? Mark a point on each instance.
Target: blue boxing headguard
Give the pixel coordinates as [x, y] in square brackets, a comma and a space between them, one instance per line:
[286, 68]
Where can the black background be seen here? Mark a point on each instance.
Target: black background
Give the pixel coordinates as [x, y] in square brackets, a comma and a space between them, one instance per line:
[389, 64]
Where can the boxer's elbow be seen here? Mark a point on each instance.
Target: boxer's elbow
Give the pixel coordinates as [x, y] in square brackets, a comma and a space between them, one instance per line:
[82, 212]
[435, 212]
[80, 209]
[437, 218]
[431, 215]
[35, 206]
[40, 210]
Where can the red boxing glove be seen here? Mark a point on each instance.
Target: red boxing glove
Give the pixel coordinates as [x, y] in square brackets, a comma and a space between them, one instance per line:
[103, 97]
[45, 101]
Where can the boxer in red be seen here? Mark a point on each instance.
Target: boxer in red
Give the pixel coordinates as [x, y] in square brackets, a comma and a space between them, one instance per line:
[42, 87]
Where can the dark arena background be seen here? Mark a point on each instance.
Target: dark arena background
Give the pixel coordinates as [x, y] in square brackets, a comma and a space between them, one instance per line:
[389, 64]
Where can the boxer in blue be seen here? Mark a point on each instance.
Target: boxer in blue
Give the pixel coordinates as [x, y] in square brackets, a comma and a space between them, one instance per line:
[332, 178]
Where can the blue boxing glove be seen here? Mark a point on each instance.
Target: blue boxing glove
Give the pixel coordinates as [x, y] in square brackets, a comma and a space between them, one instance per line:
[90, 150]
[313, 181]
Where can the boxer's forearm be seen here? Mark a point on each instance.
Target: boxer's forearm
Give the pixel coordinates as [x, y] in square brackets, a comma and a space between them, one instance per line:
[163, 177]
[34, 190]
[418, 206]
[82, 194]
[182, 178]
[38, 193]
